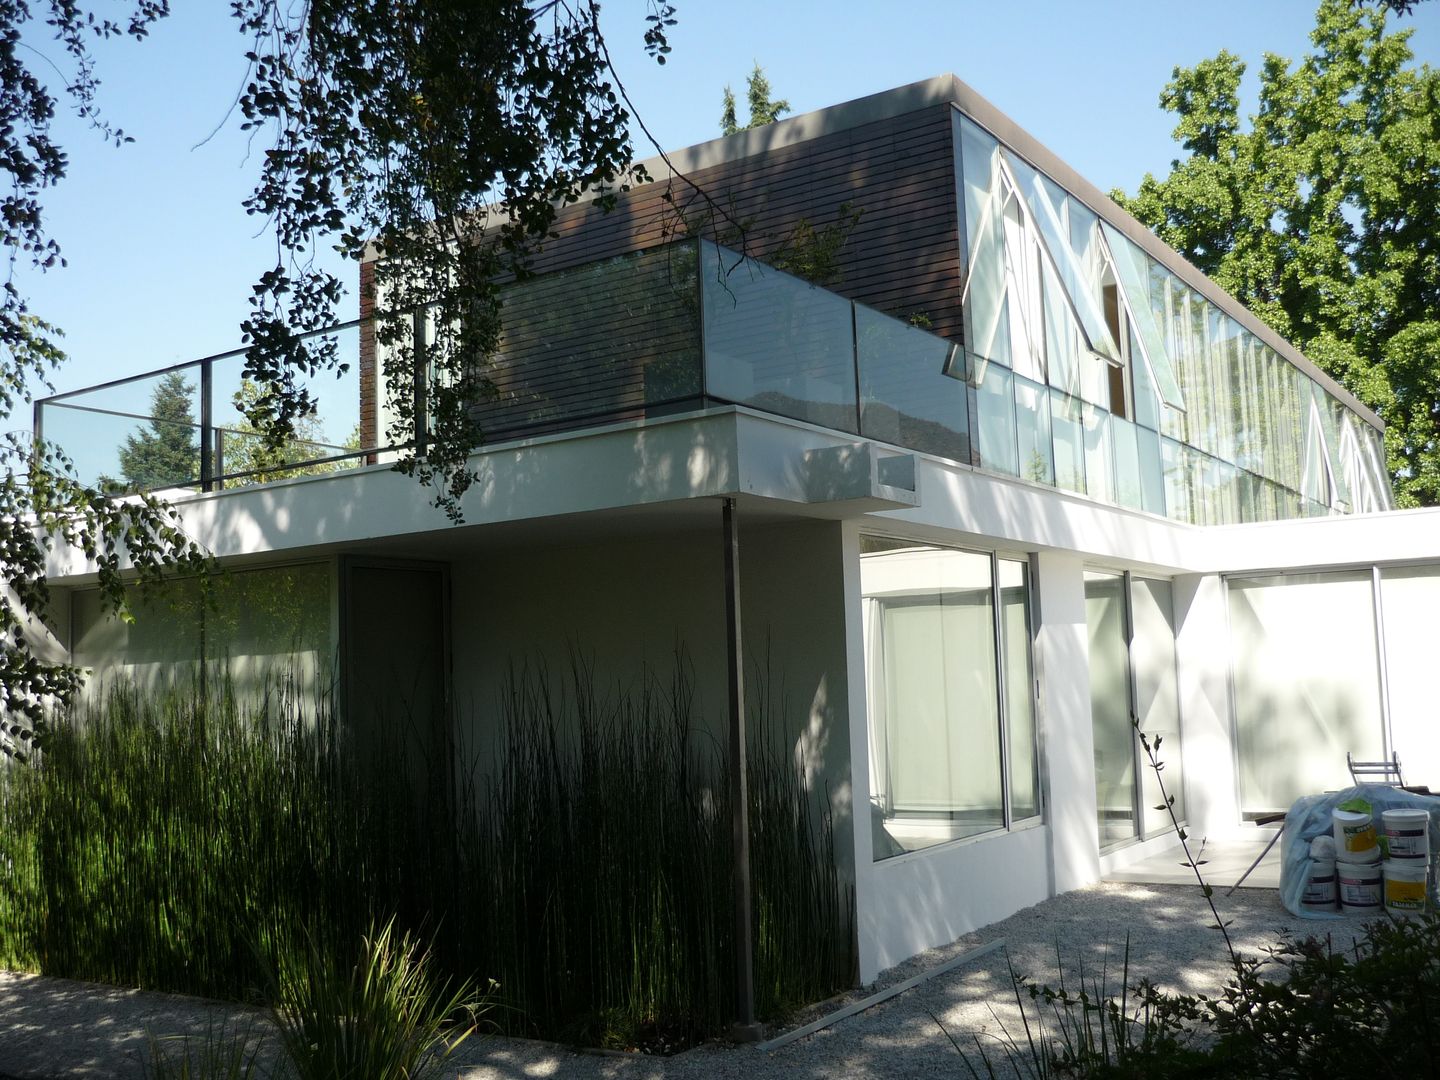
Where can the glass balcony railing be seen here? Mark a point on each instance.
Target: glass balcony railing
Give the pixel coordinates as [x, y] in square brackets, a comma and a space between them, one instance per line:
[678, 327]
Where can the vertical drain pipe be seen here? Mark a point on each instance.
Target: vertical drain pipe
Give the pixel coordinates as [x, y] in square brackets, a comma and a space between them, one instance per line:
[745, 1028]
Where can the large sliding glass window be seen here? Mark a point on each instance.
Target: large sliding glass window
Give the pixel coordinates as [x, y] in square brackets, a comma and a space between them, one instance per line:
[1132, 673]
[952, 729]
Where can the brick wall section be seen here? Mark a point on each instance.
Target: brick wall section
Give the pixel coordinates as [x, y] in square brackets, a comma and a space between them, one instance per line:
[903, 257]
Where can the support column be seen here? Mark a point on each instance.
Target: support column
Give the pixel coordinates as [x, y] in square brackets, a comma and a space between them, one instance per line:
[1063, 669]
[1202, 660]
[745, 1029]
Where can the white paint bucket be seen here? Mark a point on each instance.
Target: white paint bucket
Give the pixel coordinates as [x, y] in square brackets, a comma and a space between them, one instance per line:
[1407, 833]
[1355, 836]
[1405, 885]
[1319, 894]
[1360, 887]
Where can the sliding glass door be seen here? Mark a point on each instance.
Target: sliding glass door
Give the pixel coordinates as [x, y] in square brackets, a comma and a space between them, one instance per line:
[1132, 675]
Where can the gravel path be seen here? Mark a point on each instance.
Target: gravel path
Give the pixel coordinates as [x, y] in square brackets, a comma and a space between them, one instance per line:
[52, 1028]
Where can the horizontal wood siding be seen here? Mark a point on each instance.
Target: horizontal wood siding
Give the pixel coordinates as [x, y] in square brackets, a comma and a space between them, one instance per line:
[902, 258]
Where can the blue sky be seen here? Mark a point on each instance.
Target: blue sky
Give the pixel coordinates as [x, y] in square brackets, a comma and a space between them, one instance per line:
[162, 255]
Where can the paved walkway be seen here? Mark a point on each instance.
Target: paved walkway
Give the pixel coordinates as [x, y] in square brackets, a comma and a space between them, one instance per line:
[52, 1029]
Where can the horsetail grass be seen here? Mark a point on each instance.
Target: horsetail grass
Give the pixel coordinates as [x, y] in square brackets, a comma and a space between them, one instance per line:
[185, 842]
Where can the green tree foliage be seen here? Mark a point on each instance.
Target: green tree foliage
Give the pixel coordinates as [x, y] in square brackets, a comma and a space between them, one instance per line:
[248, 451]
[168, 453]
[1321, 215]
[40, 501]
[442, 135]
[763, 109]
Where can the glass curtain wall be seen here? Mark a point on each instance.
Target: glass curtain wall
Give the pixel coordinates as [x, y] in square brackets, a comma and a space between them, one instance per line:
[1159, 400]
[951, 720]
[1132, 667]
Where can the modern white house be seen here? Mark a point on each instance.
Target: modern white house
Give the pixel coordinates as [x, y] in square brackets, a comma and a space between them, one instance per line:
[1016, 472]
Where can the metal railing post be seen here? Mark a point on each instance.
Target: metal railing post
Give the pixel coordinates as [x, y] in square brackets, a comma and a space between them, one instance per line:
[207, 428]
[422, 403]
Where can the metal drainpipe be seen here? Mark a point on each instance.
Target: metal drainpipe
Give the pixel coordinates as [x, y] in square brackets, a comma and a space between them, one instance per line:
[745, 1028]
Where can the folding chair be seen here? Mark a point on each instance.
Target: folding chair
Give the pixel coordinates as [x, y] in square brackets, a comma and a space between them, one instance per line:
[1264, 819]
[1375, 772]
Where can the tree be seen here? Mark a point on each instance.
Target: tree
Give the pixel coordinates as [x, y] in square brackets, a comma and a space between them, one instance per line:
[248, 451]
[1322, 215]
[441, 133]
[167, 455]
[40, 500]
[763, 110]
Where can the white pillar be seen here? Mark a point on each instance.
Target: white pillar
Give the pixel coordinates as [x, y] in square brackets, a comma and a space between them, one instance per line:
[1063, 668]
[1202, 656]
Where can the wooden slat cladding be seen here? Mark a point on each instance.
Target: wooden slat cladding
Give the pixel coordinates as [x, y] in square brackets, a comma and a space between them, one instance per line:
[902, 257]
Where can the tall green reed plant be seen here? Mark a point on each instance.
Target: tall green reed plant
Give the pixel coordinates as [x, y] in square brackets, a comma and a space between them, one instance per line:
[183, 841]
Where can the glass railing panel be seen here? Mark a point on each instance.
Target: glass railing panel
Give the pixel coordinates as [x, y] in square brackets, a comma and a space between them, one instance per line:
[912, 388]
[322, 441]
[777, 343]
[1128, 490]
[1069, 435]
[995, 400]
[1177, 481]
[1152, 470]
[1032, 432]
[141, 434]
[1099, 455]
[613, 339]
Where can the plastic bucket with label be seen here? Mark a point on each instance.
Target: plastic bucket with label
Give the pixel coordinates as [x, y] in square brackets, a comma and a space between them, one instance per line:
[1407, 833]
[1355, 836]
[1360, 886]
[1405, 885]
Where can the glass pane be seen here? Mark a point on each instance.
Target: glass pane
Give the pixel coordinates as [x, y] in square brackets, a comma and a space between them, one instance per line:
[1128, 490]
[141, 435]
[777, 343]
[1133, 268]
[908, 395]
[1032, 430]
[1099, 455]
[1152, 471]
[1019, 703]
[1147, 398]
[1069, 435]
[987, 329]
[995, 398]
[1110, 707]
[160, 650]
[1079, 272]
[1177, 481]
[934, 701]
[1157, 703]
[1306, 684]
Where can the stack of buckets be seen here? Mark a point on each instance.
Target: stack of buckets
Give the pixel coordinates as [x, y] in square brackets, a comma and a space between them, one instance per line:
[1352, 865]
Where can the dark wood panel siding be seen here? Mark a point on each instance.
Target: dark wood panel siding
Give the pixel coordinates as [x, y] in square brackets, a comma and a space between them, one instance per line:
[903, 257]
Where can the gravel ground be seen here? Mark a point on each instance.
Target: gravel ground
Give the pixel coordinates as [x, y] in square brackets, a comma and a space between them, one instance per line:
[52, 1028]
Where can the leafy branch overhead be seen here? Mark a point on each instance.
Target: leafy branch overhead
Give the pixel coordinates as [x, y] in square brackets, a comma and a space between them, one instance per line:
[1321, 214]
[40, 501]
[439, 136]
